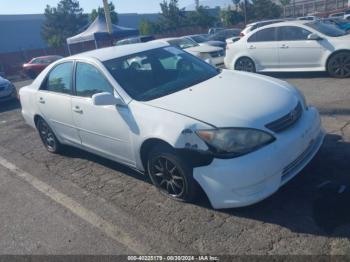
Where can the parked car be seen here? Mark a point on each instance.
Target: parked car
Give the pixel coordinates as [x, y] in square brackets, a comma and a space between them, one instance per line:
[295, 46]
[338, 22]
[136, 39]
[203, 40]
[7, 90]
[340, 14]
[224, 34]
[256, 25]
[38, 64]
[238, 136]
[211, 54]
[214, 30]
[308, 18]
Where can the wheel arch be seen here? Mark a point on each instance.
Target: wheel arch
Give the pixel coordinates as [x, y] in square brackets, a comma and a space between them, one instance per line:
[334, 53]
[147, 145]
[243, 56]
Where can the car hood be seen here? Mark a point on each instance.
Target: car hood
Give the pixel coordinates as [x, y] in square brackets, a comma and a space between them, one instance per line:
[203, 49]
[233, 98]
[3, 81]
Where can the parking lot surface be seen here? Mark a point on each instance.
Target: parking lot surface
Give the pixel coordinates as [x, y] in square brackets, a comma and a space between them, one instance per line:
[309, 215]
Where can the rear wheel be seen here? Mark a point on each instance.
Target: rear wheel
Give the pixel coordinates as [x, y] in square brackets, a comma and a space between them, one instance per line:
[48, 137]
[339, 65]
[171, 174]
[245, 64]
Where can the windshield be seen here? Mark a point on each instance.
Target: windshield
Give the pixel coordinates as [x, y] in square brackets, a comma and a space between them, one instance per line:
[199, 38]
[326, 29]
[182, 43]
[158, 72]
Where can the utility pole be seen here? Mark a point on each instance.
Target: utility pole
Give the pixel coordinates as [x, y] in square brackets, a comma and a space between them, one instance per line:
[196, 2]
[245, 12]
[107, 16]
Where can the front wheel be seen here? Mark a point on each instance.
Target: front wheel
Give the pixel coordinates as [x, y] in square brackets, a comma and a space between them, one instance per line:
[339, 65]
[245, 64]
[48, 137]
[171, 174]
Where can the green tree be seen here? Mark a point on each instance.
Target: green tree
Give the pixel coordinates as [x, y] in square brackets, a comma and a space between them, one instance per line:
[62, 21]
[146, 27]
[266, 9]
[230, 17]
[172, 16]
[100, 12]
[200, 17]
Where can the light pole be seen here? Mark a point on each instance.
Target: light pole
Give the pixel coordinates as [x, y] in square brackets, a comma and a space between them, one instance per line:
[107, 16]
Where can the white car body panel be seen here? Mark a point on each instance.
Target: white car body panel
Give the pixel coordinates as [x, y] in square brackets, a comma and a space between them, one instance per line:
[230, 99]
[293, 56]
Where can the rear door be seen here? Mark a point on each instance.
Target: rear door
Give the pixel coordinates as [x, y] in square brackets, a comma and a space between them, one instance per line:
[262, 47]
[54, 100]
[295, 50]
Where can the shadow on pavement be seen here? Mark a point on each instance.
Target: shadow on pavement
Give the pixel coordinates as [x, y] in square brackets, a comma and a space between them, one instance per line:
[298, 75]
[73, 152]
[9, 105]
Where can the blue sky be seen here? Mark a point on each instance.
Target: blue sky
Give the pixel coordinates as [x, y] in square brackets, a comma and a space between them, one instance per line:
[122, 6]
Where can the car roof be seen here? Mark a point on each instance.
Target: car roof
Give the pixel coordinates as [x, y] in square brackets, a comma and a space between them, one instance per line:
[108, 53]
[46, 56]
[265, 21]
[293, 22]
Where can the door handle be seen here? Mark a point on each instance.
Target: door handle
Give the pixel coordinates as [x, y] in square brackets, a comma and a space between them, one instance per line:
[77, 109]
[252, 47]
[284, 46]
[41, 100]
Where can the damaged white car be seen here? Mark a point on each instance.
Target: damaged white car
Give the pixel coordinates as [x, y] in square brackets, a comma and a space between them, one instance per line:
[239, 136]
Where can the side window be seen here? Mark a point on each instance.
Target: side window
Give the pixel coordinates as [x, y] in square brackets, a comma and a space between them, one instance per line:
[59, 79]
[264, 35]
[292, 33]
[90, 81]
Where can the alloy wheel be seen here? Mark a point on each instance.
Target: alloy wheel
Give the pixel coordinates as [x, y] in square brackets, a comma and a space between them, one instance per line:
[168, 177]
[339, 65]
[47, 136]
[245, 64]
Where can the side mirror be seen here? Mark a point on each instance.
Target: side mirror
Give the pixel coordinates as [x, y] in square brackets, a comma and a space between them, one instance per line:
[106, 99]
[314, 36]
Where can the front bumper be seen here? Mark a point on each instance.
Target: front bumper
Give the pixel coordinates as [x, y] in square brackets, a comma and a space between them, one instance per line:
[250, 178]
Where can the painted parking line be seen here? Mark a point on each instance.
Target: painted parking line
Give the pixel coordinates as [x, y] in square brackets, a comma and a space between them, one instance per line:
[109, 229]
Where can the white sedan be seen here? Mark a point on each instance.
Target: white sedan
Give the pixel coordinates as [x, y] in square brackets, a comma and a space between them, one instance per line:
[293, 46]
[213, 55]
[238, 136]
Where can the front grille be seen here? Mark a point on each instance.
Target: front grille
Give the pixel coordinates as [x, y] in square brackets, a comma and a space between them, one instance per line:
[287, 120]
[295, 165]
[217, 53]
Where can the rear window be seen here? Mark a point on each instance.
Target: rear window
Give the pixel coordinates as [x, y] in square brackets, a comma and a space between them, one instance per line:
[264, 35]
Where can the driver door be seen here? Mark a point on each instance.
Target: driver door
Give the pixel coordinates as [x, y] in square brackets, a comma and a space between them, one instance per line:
[103, 129]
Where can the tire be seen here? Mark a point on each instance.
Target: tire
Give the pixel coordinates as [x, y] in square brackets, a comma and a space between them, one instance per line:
[245, 64]
[171, 175]
[338, 65]
[48, 137]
